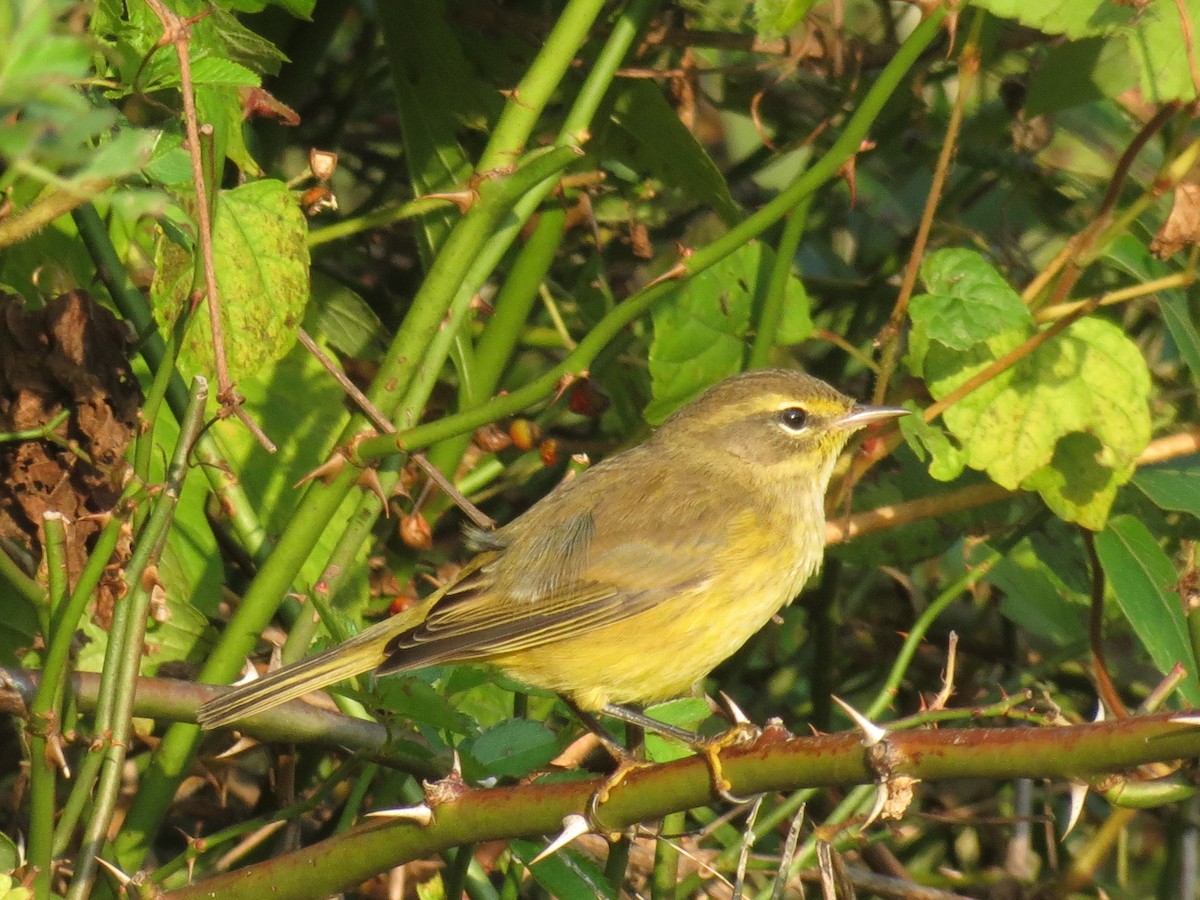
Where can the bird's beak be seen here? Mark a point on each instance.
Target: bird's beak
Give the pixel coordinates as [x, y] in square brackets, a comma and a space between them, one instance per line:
[861, 416]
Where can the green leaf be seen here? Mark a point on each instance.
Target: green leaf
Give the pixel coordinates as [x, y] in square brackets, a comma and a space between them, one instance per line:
[946, 458]
[172, 634]
[1179, 322]
[1037, 600]
[230, 38]
[10, 855]
[1175, 486]
[567, 875]
[662, 146]
[35, 62]
[1142, 578]
[343, 318]
[220, 106]
[700, 331]
[686, 713]
[1161, 49]
[438, 94]
[126, 152]
[514, 748]
[413, 700]
[1072, 18]
[773, 18]
[212, 70]
[169, 163]
[262, 270]
[795, 325]
[1079, 72]
[1152, 30]
[967, 302]
[300, 407]
[1068, 420]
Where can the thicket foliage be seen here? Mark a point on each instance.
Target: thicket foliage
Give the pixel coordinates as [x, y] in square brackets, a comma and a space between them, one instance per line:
[530, 231]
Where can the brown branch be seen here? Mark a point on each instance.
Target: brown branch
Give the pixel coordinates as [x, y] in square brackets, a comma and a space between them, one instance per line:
[1178, 280]
[889, 337]
[1009, 359]
[777, 762]
[1185, 28]
[177, 31]
[884, 517]
[1104, 685]
[170, 700]
[473, 512]
[1064, 260]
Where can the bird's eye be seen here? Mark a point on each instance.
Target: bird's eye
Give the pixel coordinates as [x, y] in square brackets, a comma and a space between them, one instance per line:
[793, 418]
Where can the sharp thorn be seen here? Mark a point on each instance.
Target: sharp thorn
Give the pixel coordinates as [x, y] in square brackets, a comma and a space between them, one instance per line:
[116, 873]
[1186, 720]
[872, 733]
[574, 827]
[735, 711]
[249, 673]
[881, 797]
[679, 270]
[1079, 792]
[243, 744]
[422, 814]
[55, 747]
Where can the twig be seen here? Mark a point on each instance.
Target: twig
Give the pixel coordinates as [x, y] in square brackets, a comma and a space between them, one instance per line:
[1177, 280]
[1077, 245]
[1185, 28]
[1104, 685]
[889, 338]
[778, 890]
[1009, 359]
[882, 518]
[177, 31]
[943, 697]
[476, 515]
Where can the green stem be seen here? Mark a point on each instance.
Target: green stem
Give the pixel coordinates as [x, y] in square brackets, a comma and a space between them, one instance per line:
[617, 864]
[449, 271]
[664, 884]
[54, 670]
[379, 218]
[44, 725]
[123, 654]
[501, 335]
[455, 874]
[220, 839]
[772, 307]
[405, 356]
[26, 588]
[541, 80]
[700, 259]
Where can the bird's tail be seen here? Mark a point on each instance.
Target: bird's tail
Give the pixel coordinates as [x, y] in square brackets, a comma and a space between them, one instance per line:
[359, 654]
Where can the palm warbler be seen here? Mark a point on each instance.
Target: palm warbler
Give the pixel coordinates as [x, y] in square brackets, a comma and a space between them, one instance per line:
[629, 583]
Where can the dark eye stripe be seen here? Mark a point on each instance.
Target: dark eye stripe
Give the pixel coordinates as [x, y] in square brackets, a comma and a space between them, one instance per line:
[794, 418]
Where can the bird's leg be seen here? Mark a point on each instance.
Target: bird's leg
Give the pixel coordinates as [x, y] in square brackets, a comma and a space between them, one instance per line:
[626, 761]
[742, 732]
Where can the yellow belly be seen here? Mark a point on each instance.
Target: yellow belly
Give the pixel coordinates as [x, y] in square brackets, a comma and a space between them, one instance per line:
[662, 652]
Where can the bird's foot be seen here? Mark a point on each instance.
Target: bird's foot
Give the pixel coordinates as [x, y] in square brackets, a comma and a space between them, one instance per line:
[742, 734]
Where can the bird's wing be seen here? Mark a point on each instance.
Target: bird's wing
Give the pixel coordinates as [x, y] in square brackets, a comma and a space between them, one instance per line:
[572, 586]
